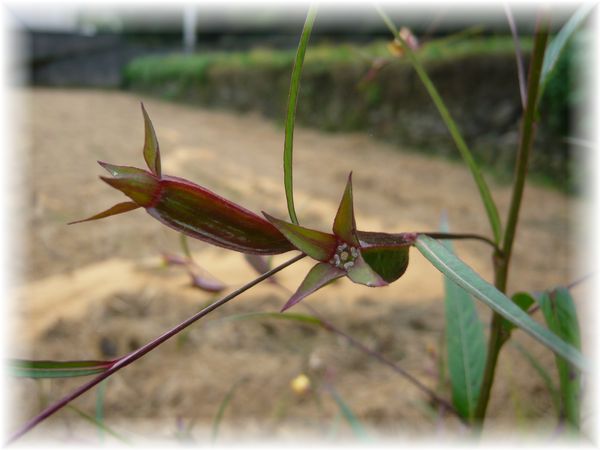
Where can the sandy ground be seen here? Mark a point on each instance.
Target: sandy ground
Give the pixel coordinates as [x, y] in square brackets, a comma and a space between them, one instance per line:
[98, 290]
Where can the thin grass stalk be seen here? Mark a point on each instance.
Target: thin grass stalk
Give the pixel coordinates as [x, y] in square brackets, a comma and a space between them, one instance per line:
[484, 190]
[497, 337]
[137, 354]
[518, 54]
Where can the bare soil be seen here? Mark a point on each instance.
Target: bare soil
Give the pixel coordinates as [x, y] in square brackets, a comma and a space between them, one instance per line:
[98, 290]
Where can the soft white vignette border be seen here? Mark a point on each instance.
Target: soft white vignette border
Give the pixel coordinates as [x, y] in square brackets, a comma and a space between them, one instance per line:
[11, 50]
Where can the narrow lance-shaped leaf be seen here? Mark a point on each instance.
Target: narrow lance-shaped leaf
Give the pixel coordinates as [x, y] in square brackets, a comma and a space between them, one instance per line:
[465, 277]
[558, 44]
[465, 346]
[561, 316]
[290, 118]
[151, 148]
[56, 369]
[524, 301]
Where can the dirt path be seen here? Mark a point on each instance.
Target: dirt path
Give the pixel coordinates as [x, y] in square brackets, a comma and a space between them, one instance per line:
[96, 290]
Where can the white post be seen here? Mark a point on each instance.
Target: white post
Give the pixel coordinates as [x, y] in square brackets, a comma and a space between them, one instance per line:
[189, 28]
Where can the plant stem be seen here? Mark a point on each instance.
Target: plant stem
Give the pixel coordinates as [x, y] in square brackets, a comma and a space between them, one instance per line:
[382, 359]
[484, 190]
[502, 261]
[137, 354]
[455, 236]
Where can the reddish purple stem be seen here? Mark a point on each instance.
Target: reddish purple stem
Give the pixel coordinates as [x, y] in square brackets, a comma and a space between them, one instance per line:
[137, 354]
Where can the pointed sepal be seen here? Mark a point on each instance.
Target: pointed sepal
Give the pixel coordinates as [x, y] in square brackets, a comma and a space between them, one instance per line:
[320, 275]
[316, 244]
[142, 187]
[344, 225]
[119, 208]
[362, 273]
[151, 147]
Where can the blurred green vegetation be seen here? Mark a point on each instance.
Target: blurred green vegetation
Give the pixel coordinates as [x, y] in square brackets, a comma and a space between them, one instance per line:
[350, 87]
[186, 68]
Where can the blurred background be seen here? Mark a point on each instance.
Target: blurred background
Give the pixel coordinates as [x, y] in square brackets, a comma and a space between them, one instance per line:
[215, 81]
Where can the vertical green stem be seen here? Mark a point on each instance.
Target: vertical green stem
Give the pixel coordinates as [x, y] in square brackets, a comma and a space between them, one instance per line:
[502, 261]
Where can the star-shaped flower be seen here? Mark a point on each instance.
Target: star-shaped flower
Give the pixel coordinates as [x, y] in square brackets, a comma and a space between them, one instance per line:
[372, 259]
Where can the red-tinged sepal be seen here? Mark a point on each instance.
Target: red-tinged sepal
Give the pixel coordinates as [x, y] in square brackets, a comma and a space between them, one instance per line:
[143, 188]
[205, 283]
[316, 244]
[344, 225]
[119, 208]
[201, 214]
[151, 147]
[320, 275]
[360, 272]
[122, 171]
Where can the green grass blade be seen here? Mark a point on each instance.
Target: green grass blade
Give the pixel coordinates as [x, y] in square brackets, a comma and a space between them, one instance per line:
[100, 425]
[221, 411]
[290, 119]
[465, 277]
[557, 45]
[484, 190]
[542, 372]
[561, 317]
[357, 428]
[465, 346]
[100, 398]
[56, 369]
[297, 317]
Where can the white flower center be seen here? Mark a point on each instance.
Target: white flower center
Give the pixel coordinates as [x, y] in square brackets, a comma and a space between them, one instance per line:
[344, 256]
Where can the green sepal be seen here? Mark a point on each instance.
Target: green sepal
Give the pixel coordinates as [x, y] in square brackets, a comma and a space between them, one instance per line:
[320, 275]
[151, 147]
[316, 244]
[344, 225]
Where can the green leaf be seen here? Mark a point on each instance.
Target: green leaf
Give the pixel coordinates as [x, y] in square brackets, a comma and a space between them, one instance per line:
[561, 317]
[320, 275]
[290, 118]
[316, 244]
[151, 148]
[524, 301]
[465, 277]
[389, 263]
[465, 346]
[557, 45]
[56, 369]
[344, 225]
[484, 190]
